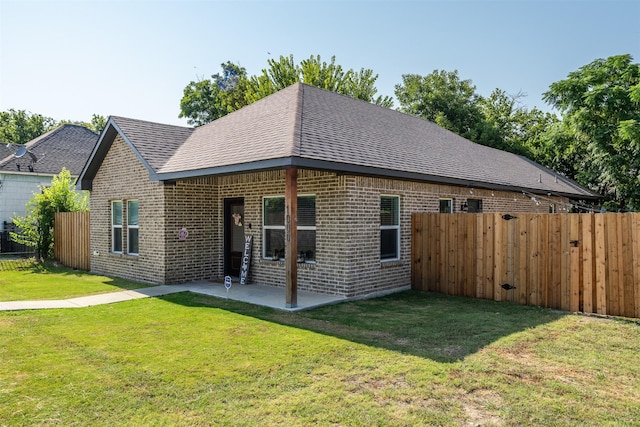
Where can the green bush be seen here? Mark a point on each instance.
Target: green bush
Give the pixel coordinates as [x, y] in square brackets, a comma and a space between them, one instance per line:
[36, 227]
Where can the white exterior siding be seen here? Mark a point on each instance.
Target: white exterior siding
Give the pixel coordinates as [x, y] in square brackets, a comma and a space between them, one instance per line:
[16, 190]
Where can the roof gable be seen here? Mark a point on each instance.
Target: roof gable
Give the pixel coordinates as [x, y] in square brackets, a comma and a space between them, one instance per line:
[66, 146]
[153, 143]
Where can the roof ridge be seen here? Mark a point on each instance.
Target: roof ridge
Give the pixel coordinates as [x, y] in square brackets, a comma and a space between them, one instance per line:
[75, 125]
[115, 118]
[296, 121]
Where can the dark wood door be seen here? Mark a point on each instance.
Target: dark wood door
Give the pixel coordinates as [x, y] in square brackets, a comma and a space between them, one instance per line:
[233, 236]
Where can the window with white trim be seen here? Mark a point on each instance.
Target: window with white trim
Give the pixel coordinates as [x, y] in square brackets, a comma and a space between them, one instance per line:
[116, 226]
[273, 228]
[389, 228]
[132, 227]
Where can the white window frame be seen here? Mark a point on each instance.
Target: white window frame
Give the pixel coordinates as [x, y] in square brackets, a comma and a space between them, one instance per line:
[133, 227]
[391, 227]
[115, 226]
[281, 227]
[450, 204]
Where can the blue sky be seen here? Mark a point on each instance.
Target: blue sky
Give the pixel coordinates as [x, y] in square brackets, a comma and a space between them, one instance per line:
[70, 59]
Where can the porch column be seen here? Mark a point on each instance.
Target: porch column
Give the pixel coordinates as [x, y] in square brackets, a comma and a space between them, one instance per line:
[291, 235]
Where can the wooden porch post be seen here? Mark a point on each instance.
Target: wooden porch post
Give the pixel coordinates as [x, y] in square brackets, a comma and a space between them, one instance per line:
[291, 235]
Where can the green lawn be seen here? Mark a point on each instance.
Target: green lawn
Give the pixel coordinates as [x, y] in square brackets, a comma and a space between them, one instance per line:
[405, 359]
[25, 279]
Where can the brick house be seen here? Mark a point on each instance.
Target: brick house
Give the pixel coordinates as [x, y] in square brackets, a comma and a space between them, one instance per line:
[173, 204]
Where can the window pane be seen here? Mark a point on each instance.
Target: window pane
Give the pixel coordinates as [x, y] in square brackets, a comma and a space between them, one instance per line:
[132, 241]
[307, 211]
[117, 239]
[132, 212]
[307, 244]
[446, 206]
[389, 244]
[274, 243]
[389, 212]
[116, 210]
[274, 211]
[474, 205]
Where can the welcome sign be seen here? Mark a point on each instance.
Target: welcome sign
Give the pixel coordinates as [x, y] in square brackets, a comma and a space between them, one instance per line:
[246, 260]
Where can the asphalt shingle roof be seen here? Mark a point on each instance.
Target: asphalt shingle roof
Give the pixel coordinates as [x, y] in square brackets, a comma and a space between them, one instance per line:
[66, 146]
[155, 142]
[321, 129]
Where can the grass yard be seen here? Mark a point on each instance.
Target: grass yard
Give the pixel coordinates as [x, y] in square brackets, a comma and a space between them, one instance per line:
[405, 359]
[25, 279]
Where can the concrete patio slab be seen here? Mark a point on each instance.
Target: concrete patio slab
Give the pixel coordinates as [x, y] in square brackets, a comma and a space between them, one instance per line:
[268, 296]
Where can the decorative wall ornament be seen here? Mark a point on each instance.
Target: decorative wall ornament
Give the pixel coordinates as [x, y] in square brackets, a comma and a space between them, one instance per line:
[183, 233]
[237, 219]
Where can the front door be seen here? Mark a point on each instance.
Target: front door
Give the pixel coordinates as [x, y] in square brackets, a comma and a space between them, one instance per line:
[233, 236]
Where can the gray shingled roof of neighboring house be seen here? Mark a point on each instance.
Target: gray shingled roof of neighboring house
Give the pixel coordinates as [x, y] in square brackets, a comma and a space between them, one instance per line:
[66, 146]
[6, 150]
[313, 128]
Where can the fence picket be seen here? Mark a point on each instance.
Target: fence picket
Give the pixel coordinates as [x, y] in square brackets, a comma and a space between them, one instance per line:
[586, 241]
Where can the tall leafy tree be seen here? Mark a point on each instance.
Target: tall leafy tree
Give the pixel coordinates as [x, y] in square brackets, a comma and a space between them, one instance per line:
[442, 97]
[37, 225]
[361, 85]
[97, 123]
[313, 71]
[207, 100]
[600, 104]
[20, 126]
[556, 148]
[512, 127]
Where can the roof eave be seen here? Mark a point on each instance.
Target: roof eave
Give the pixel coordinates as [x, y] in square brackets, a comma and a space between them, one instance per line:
[344, 168]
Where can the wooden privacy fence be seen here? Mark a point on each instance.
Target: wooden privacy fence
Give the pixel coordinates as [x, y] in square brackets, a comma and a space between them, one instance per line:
[71, 239]
[573, 262]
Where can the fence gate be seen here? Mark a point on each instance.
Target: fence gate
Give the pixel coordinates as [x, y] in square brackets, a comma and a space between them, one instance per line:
[573, 262]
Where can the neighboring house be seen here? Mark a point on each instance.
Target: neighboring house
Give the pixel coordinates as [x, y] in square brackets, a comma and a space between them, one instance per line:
[20, 177]
[171, 204]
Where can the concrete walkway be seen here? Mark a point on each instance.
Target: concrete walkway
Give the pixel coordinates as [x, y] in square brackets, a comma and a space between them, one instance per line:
[269, 296]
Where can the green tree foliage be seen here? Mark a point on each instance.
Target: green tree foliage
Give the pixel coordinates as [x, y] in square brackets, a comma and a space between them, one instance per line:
[315, 72]
[509, 126]
[97, 123]
[37, 225]
[554, 148]
[600, 104]
[20, 126]
[497, 121]
[207, 100]
[443, 98]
